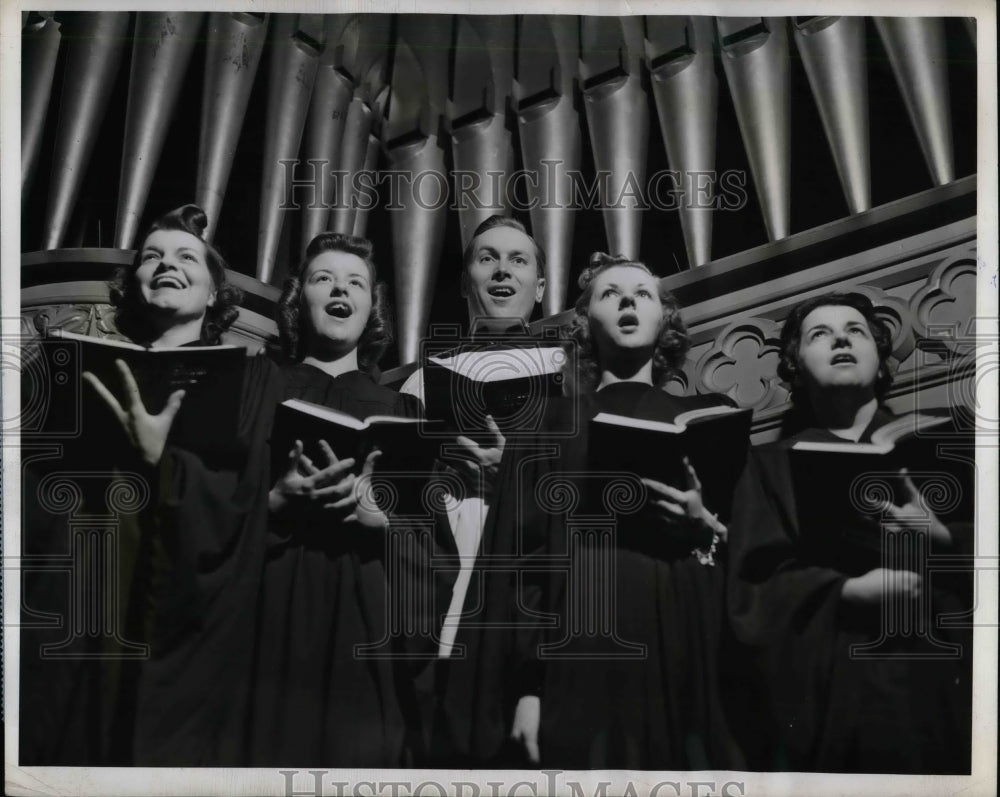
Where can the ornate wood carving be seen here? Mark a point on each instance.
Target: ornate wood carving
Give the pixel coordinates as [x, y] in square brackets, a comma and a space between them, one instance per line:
[944, 308]
[743, 364]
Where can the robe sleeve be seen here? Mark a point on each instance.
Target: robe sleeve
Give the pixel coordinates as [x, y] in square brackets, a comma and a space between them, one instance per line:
[530, 523]
[771, 590]
[206, 538]
[788, 612]
[526, 528]
[416, 549]
[208, 503]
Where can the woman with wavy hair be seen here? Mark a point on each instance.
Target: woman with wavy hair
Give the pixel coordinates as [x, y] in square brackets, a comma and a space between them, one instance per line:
[315, 700]
[641, 693]
[813, 600]
[197, 550]
[175, 291]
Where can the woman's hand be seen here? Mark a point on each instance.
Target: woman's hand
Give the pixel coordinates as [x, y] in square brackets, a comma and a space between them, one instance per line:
[366, 513]
[880, 583]
[524, 729]
[478, 465]
[305, 484]
[675, 507]
[147, 433]
[915, 514]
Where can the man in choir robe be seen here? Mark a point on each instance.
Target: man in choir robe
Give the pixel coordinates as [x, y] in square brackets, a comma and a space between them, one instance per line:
[503, 278]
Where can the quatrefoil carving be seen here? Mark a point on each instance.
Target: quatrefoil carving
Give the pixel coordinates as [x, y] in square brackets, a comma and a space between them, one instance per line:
[743, 364]
[944, 308]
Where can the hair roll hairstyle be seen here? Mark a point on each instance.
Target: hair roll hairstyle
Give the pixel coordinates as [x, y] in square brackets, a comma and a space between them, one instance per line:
[672, 343]
[791, 339]
[293, 325]
[132, 316]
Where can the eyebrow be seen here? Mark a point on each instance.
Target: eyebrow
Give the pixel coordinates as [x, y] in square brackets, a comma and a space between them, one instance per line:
[848, 325]
[154, 248]
[494, 250]
[636, 285]
[330, 271]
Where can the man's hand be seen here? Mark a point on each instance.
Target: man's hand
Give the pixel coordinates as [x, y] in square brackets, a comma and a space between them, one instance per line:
[478, 465]
[524, 729]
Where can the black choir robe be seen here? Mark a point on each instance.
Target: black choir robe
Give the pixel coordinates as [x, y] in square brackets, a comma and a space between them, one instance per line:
[324, 590]
[821, 709]
[187, 566]
[661, 710]
[196, 586]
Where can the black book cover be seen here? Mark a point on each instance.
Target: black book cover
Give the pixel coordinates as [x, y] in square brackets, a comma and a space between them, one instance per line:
[211, 376]
[841, 488]
[406, 443]
[714, 439]
[512, 385]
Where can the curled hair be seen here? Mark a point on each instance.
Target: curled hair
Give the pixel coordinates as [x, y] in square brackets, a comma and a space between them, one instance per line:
[583, 372]
[293, 325]
[791, 339]
[132, 316]
[501, 221]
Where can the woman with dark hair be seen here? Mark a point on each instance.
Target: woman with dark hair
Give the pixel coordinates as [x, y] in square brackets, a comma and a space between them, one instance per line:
[199, 540]
[315, 700]
[640, 693]
[802, 415]
[814, 602]
[175, 291]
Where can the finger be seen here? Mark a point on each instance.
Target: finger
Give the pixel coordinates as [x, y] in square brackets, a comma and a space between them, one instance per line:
[691, 476]
[131, 386]
[295, 458]
[654, 486]
[307, 465]
[327, 492]
[672, 509]
[343, 503]
[665, 490]
[331, 472]
[344, 487]
[469, 446]
[494, 430]
[331, 458]
[106, 395]
[173, 405]
[370, 460]
[531, 746]
[904, 580]
[911, 489]
[893, 511]
[457, 461]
